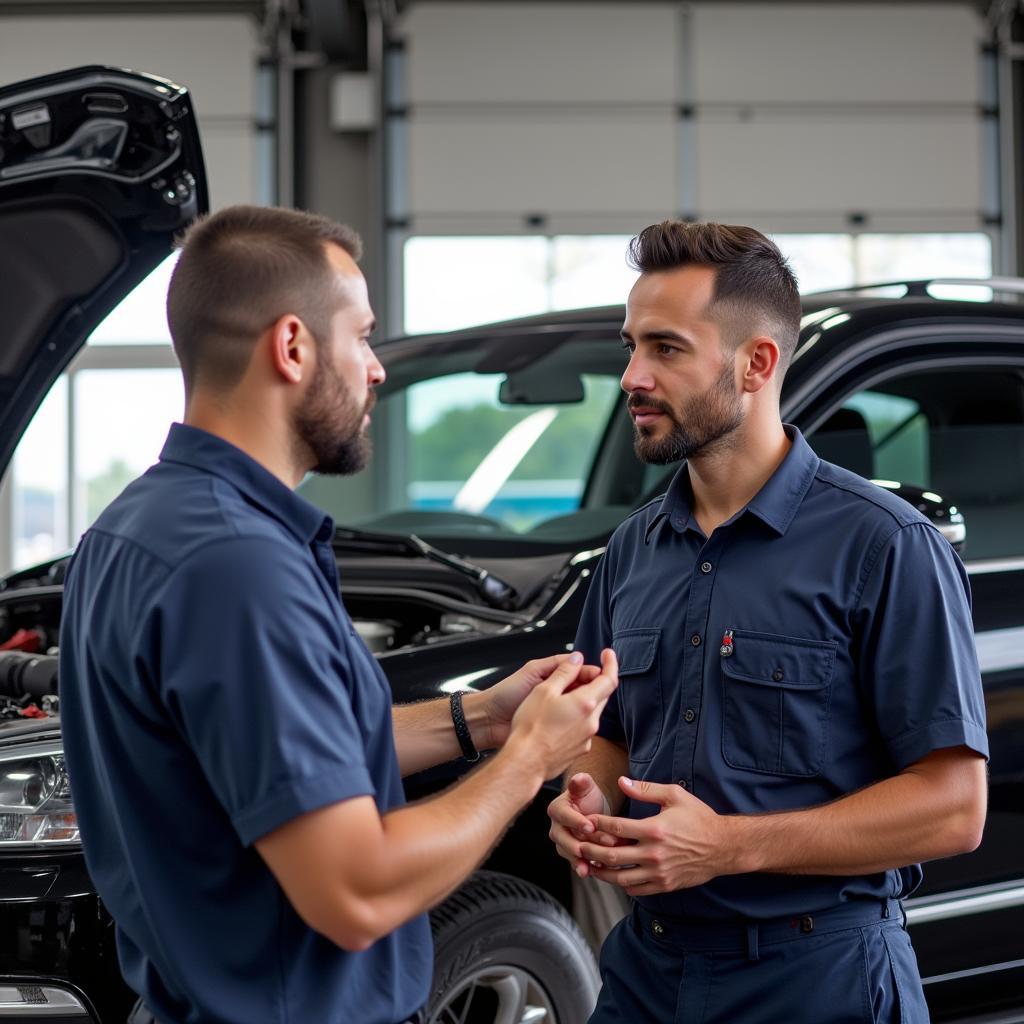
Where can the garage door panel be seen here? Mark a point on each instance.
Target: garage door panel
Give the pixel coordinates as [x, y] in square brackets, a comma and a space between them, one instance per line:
[541, 53]
[214, 56]
[841, 53]
[908, 166]
[580, 165]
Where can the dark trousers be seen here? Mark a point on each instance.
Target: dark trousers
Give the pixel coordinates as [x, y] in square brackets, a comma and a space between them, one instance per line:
[141, 1015]
[850, 965]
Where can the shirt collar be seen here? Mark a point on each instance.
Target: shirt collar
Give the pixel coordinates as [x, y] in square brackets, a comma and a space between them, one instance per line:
[776, 504]
[201, 450]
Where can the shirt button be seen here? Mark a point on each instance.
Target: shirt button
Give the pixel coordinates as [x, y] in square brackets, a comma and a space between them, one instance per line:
[657, 927]
[695, 639]
[681, 783]
[777, 675]
[689, 716]
[705, 567]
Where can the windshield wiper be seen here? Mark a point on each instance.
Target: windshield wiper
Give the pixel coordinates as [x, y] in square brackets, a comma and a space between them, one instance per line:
[495, 591]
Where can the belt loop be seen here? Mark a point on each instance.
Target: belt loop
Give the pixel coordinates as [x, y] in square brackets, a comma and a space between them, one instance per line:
[752, 953]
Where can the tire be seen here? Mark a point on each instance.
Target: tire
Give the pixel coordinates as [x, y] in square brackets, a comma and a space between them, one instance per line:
[506, 953]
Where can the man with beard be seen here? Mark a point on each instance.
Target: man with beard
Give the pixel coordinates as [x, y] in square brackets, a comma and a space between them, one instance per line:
[235, 758]
[800, 719]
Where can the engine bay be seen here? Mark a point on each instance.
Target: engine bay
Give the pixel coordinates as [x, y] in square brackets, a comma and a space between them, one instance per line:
[395, 603]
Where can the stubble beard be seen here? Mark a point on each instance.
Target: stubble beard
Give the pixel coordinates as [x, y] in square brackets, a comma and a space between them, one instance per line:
[330, 426]
[705, 423]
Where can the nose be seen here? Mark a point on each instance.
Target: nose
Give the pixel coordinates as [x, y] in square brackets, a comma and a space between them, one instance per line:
[375, 371]
[636, 377]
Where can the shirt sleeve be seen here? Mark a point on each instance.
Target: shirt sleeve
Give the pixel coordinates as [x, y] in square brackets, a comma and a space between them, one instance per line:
[254, 674]
[917, 656]
[593, 636]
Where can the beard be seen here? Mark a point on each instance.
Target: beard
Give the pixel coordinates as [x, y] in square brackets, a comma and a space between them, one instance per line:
[330, 426]
[703, 423]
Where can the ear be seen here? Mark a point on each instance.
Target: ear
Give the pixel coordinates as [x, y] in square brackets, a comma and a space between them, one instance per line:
[758, 359]
[290, 348]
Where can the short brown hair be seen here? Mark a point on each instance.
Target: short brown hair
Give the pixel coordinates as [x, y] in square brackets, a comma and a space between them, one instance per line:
[754, 283]
[240, 270]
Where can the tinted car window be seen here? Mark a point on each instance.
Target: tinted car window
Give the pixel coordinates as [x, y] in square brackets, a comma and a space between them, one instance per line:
[955, 432]
[484, 457]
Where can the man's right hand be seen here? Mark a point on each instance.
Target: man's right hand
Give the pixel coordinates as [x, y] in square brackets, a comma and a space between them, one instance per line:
[556, 723]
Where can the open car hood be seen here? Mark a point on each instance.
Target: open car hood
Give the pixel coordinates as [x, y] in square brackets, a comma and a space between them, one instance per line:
[99, 169]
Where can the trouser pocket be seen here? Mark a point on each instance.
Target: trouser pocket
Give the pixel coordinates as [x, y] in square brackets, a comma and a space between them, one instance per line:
[895, 994]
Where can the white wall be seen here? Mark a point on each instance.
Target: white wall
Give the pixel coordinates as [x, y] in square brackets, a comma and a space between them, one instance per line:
[802, 115]
[213, 55]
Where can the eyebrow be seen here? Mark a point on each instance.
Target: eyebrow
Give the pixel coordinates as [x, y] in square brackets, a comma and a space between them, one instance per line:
[664, 334]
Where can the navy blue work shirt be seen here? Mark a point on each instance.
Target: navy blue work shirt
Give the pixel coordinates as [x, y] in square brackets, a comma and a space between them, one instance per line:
[817, 642]
[212, 689]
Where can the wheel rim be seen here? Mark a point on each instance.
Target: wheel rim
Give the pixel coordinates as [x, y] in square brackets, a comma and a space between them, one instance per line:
[499, 994]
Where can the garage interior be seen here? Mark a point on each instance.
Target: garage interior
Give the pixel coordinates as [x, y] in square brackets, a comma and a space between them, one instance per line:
[874, 140]
[496, 157]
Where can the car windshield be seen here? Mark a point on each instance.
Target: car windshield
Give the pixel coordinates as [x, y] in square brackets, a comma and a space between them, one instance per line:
[496, 444]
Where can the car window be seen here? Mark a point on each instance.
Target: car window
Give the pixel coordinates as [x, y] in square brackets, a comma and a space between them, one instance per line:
[476, 464]
[956, 432]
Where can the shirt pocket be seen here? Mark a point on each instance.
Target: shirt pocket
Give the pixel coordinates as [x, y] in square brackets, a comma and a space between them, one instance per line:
[639, 694]
[775, 702]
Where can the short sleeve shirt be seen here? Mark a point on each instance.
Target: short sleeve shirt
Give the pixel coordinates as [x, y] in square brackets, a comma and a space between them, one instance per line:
[212, 689]
[817, 642]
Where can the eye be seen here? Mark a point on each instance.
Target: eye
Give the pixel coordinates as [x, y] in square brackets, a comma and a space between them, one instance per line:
[666, 350]
[628, 346]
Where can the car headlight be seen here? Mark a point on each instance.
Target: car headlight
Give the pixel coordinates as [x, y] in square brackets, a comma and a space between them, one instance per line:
[35, 798]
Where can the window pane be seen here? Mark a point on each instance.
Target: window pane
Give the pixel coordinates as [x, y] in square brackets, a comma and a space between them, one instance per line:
[141, 318]
[480, 466]
[517, 464]
[121, 422]
[976, 438]
[457, 282]
[820, 262]
[958, 433]
[912, 257]
[40, 471]
[590, 270]
[899, 436]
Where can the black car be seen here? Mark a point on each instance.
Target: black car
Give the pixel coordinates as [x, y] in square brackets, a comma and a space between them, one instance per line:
[509, 462]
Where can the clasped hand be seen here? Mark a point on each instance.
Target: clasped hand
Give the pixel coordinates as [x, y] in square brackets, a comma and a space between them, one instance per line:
[682, 846]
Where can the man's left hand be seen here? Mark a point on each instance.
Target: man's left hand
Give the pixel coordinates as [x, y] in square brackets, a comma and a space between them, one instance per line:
[682, 846]
[498, 704]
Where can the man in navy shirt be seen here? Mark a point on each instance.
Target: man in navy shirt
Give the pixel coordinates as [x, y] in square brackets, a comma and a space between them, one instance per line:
[235, 758]
[800, 719]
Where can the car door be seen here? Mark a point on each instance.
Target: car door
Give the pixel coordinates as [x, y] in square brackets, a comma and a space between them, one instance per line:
[951, 420]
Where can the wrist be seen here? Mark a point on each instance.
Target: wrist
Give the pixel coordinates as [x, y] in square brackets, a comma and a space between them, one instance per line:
[741, 850]
[519, 752]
